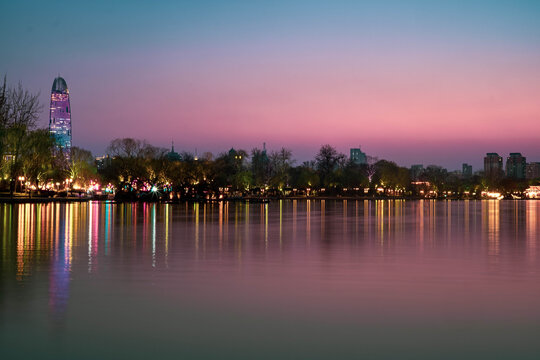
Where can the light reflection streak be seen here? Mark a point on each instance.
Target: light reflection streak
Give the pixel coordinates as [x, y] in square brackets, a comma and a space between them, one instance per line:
[220, 219]
[68, 218]
[237, 233]
[308, 222]
[196, 218]
[246, 222]
[90, 218]
[6, 230]
[280, 223]
[204, 225]
[95, 232]
[367, 218]
[448, 219]
[388, 216]
[323, 218]
[420, 223]
[532, 220]
[490, 219]
[107, 227]
[494, 227]
[59, 277]
[356, 221]
[145, 226]
[20, 244]
[226, 222]
[57, 226]
[294, 218]
[153, 229]
[432, 221]
[379, 211]
[266, 225]
[399, 216]
[133, 211]
[167, 207]
[466, 215]
[344, 217]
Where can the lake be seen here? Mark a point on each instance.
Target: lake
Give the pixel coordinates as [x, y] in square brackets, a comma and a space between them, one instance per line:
[292, 279]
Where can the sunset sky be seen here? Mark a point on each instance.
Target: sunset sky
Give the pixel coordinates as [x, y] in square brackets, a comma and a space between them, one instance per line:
[426, 82]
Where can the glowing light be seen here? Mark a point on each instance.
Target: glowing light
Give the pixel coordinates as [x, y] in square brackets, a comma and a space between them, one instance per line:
[492, 195]
[533, 192]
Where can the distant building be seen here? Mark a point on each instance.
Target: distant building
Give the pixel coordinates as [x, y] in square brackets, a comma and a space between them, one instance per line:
[493, 165]
[416, 171]
[103, 161]
[532, 171]
[358, 157]
[238, 156]
[516, 165]
[173, 155]
[466, 171]
[60, 115]
[456, 173]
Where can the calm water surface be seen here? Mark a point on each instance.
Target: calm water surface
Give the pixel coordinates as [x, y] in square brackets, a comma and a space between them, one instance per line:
[285, 280]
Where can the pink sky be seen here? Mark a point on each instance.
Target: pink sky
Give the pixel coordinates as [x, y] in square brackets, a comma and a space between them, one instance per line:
[424, 106]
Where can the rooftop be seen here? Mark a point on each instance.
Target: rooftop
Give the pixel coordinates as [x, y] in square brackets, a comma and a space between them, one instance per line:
[59, 85]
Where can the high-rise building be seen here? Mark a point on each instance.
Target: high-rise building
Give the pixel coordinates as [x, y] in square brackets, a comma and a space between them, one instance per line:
[60, 115]
[466, 171]
[516, 165]
[493, 165]
[532, 170]
[358, 157]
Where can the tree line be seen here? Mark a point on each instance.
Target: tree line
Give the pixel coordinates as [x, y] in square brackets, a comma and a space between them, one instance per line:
[135, 167]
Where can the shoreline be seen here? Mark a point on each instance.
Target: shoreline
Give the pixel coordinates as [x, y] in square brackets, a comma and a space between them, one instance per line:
[38, 200]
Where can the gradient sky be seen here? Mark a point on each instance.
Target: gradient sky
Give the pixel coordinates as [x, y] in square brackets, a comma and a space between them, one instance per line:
[411, 81]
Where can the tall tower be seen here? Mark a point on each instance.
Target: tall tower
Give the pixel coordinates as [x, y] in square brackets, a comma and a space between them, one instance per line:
[60, 115]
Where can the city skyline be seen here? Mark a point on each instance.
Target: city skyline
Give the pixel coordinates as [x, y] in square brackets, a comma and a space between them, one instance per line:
[412, 83]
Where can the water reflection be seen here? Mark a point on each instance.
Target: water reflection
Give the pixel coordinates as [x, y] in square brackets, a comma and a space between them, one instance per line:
[30, 230]
[68, 241]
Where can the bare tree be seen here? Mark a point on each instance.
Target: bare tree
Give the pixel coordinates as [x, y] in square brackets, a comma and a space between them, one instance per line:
[280, 163]
[369, 168]
[327, 161]
[20, 113]
[3, 120]
[126, 147]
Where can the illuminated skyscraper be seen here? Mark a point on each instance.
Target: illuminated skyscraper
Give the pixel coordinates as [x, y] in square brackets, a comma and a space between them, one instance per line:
[60, 115]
